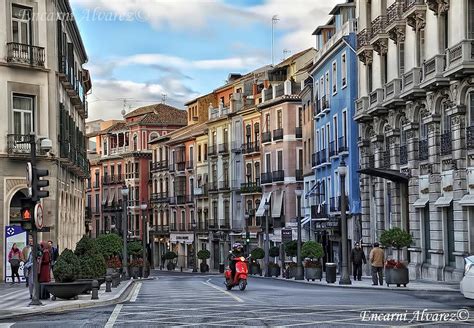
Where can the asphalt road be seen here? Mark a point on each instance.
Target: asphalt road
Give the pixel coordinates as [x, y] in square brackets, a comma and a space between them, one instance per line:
[182, 299]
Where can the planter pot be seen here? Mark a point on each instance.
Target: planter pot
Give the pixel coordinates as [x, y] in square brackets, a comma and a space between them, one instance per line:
[170, 266]
[111, 271]
[66, 290]
[203, 267]
[313, 274]
[397, 277]
[291, 272]
[254, 268]
[140, 272]
[134, 272]
[274, 271]
[89, 281]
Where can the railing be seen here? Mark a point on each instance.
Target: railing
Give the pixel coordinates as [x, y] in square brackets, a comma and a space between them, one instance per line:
[213, 186]
[213, 224]
[299, 132]
[250, 187]
[159, 197]
[266, 137]
[278, 176]
[363, 38]
[334, 204]
[322, 157]
[378, 25]
[113, 179]
[433, 67]
[324, 102]
[386, 159]
[423, 149]
[16, 145]
[319, 211]
[266, 177]
[172, 200]
[278, 134]
[470, 137]
[394, 12]
[223, 148]
[342, 143]
[190, 199]
[299, 175]
[314, 161]
[173, 226]
[459, 53]
[332, 149]
[180, 166]
[252, 147]
[25, 54]
[225, 223]
[403, 155]
[202, 226]
[190, 165]
[164, 228]
[212, 150]
[224, 185]
[446, 144]
[171, 167]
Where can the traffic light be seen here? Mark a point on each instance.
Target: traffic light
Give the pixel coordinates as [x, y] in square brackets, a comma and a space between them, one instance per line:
[38, 183]
[26, 213]
[247, 237]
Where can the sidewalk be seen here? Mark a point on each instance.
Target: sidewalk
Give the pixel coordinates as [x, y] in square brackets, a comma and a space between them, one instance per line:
[14, 300]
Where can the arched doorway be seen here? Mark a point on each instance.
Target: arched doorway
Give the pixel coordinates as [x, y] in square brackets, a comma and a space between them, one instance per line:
[15, 206]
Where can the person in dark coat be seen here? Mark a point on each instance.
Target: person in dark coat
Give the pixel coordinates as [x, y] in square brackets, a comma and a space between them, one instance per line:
[357, 257]
[45, 269]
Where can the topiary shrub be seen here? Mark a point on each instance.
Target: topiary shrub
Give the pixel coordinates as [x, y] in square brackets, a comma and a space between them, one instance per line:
[85, 245]
[170, 255]
[109, 244]
[274, 251]
[67, 267]
[92, 264]
[396, 238]
[291, 248]
[312, 250]
[203, 254]
[257, 253]
[134, 248]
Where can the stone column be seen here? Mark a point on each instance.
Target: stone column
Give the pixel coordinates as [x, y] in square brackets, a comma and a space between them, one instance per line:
[364, 147]
[379, 186]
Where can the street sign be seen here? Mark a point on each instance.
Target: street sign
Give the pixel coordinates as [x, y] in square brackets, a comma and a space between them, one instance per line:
[286, 235]
[39, 216]
[44, 229]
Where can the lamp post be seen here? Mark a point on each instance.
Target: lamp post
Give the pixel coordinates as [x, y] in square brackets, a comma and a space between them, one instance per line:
[299, 268]
[194, 226]
[267, 239]
[246, 217]
[143, 207]
[124, 192]
[345, 279]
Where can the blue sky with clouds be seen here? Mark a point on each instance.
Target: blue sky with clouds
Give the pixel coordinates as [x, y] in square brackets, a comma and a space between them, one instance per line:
[139, 50]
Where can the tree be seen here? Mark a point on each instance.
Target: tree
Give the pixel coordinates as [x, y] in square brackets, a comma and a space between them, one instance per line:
[109, 244]
[257, 253]
[203, 254]
[67, 267]
[91, 260]
[291, 248]
[312, 250]
[274, 251]
[134, 248]
[396, 238]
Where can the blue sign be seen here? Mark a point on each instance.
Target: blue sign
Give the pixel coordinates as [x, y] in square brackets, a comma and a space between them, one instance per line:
[14, 235]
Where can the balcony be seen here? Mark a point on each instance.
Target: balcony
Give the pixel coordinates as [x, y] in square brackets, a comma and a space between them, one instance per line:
[411, 84]
[224, 148]
[376, 103]
[460, 59]
[395, 27]
[161, 228]
[213, 186]
[202, 226]
[392, 92]
[201, 192]
[266, 178]
[190, 165]
[180, 167]
[225, 224]
[266, 137]
[319, 211]
[17, 144]
[172, 200]
[314, 161]
[386, 159]
[278, 134]
[470, 137]
[423, 149]
[403, 155]
[180, 199]
[278, 176]
[432, 72]
[213, 224]
[321, 157]
[171, 168]
[334, 205]
[113, 179]
[212, 151]
[173, 226]
[224, 185]
[299, 175]
[446, 144]
[250, 187]
[298, 132]
[236, 147]
[379, 36]
[25, 54]
[364, 49]
[362, 106]
[158, 198]
[332, 149]
[182, 226]
[251, 148]
[189, 199]
[324, 104]
[342, 143]
[414, 10]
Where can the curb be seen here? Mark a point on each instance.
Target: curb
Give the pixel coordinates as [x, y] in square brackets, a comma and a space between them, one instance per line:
[336, 285]
[119, 298]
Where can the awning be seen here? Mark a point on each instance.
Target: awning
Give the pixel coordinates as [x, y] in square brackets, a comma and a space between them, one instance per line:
[467, 200]
[311, 192]
[392, 175]
[104, 198]
[277, 202]
[261, 206]
[421, 202]
[111, 198]
[443, 201]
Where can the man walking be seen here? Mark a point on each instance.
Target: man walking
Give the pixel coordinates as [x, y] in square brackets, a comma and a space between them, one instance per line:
[357, 257]
[376, 259]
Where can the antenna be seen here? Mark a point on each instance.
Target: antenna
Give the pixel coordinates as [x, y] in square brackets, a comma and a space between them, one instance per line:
[275, 19]
[163, 98]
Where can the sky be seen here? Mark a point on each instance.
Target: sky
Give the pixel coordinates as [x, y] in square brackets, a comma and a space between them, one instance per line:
[140, 50]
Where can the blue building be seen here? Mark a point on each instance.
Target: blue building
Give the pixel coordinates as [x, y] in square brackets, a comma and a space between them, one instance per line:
[335, 132]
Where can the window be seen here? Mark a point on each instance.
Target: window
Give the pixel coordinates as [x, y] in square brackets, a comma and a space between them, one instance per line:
[426, 232]
[334, 77]
[343, 70]
[191, 154]
[335, 134]
[267, 122]
[257, 172]
[471, 108]
[279, 119]
[327, 86]
[248, 133]
[97, 203]
[205, 151]
[279, 160]
[135, 142]
[451, 258]
[256, 131]
[421, 46]
[470, 19]
[21, 25]
[401, 58]
[97, 178]
[369, 77]
[183, 218]
[344, 128]
[248, 172]
[446, 119]
[23, 114]
[300, 117]
[268, 162]
[300, 159]
[199, 153]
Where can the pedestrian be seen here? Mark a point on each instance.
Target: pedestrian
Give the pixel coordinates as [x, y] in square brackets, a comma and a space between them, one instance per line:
[377, 259]
[26, 255]
[54, 253]
[45, 269]
[15, 258]
[28, 267]
[357, 257]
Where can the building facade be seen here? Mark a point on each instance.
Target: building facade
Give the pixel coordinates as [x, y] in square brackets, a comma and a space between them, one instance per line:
[415, 115]
[43, 90]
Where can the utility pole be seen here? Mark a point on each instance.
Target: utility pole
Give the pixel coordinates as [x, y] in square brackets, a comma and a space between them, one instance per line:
[299, 268]
[345, 278]
[275, 19]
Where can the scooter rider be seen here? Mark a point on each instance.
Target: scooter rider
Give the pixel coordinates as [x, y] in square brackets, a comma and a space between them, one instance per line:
[237, 251]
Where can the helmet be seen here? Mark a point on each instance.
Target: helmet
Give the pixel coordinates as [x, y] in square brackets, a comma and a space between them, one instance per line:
[237, 246]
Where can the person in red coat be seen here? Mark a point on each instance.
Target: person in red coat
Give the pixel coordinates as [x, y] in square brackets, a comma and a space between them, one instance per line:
[45, 263]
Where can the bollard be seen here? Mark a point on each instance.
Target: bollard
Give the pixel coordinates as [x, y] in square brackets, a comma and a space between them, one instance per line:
[95, 290]
[108, 284]
[181, 269]
[115, 280]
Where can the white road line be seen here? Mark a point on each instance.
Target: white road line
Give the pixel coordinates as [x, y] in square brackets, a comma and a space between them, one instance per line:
[114, 316]
[238, 299]
[136, 290]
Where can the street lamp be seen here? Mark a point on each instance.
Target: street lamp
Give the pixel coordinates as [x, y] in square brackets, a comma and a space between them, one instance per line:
[124, 192]
[267, 239]
[345, 279]
[143, 207]
[299, 268]
[246, 217]
[193, 225]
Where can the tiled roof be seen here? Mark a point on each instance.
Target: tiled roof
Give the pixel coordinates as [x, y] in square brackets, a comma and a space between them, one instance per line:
[165, 114]
[292, 58]
[116, 127]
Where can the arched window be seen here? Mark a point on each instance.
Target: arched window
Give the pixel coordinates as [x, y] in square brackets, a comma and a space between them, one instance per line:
[153, 136]
[256, 131]
[403, 145]
[423, 141]
[470, 104]
[135, 141]
[446, 144]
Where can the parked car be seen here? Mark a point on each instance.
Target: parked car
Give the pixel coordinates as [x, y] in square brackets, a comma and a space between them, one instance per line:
[467, 282]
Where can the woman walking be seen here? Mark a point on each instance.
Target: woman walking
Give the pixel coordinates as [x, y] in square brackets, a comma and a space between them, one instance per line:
[45, 269]
[15, 257]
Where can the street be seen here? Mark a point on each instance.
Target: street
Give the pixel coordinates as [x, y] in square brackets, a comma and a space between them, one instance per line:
[182, 299]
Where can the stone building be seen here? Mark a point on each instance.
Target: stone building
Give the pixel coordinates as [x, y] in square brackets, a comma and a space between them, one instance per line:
[415, 111]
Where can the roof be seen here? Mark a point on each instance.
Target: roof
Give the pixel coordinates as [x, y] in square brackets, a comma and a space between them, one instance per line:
[188, 132]
[166, 114]
[169, 119]
[340, 5]
[196, 99]
[322, 27]
[293, 57]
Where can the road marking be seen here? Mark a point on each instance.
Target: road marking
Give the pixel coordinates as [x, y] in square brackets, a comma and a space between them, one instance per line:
[114, 316]
[238, 299]
[136, 290]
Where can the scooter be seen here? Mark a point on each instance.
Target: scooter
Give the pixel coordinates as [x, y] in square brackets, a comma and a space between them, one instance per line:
[240, 278]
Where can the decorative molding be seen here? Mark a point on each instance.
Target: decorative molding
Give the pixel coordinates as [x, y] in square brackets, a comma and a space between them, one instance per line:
[381, 47]
[366, 56]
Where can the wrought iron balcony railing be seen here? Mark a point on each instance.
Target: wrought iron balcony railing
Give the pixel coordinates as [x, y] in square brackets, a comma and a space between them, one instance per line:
[342, 144]
[423, 149]
[446, 144]
[299, 175]
[266, 137]
[278, 134]
[250, 187]
[278, 176]
[25, 54]
[332, 149]
[299, 132]
[266, 177]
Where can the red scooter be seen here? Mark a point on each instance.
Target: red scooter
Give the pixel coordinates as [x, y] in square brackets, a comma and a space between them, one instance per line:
[240, 278]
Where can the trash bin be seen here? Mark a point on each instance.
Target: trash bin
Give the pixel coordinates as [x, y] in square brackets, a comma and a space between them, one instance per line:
[221, 268]
[330, 273]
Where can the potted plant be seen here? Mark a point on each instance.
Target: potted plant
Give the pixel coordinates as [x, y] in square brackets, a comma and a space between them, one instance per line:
[92, 264]
[136, 266]
[203, 255]
[170, 256]
[290, 251]
[395, 271]
[66, 271]
[134, 250]
[113, 263]
[110, 246]
[312, 251]
[256, 254]
[274, 268]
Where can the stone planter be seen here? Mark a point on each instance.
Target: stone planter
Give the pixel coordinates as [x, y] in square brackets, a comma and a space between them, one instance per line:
[89, 282]
[170, 266]
[66, 290]
[274, 271]
[111, 271]
[254, 268]
[291, 272]
[134, 272]
[397, 277]
[140, 272]
[204, 267]
[313, 274]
